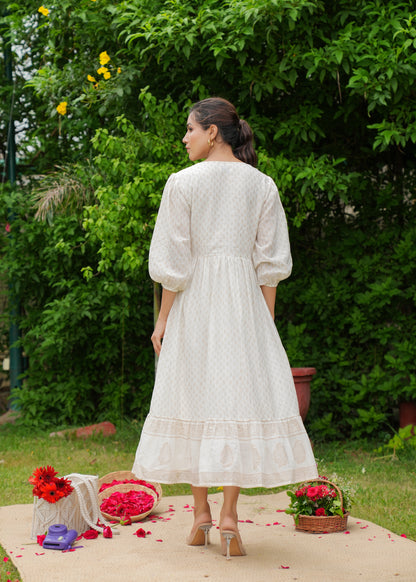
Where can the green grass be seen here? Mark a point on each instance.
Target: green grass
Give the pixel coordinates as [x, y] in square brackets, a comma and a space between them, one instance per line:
[385, 486]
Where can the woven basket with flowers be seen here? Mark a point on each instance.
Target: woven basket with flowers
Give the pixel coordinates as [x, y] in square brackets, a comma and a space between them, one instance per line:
[320, 506]
[125, 498]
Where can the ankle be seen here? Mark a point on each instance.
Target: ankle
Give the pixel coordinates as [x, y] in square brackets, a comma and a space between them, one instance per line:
[229, 520]
[202, 511]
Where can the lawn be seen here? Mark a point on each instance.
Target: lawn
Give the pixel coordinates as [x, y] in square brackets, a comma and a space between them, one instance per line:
[385, 485]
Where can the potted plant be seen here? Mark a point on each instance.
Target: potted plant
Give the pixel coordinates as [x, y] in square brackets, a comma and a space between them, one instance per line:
[320, 506]
[302, 378]
[400, 361]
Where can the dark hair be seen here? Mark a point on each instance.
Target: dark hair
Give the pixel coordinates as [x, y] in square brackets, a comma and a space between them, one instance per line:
[233, 130]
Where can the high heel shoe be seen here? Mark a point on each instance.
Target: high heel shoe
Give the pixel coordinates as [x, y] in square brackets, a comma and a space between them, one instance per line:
[199, 535]
[231, 543]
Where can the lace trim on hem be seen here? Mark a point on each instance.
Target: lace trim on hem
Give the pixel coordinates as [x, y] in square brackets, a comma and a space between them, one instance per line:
[226, 429]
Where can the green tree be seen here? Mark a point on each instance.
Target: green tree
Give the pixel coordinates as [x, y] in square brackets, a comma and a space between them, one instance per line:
[328, 89]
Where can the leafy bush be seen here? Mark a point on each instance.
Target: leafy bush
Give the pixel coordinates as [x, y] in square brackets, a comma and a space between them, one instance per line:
[326, 87]
[87, 298]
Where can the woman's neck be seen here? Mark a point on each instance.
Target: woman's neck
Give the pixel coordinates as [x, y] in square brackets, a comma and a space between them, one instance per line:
[221, 153]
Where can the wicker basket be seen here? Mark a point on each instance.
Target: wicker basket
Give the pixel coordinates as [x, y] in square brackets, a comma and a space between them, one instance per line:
[124, 488]
[122, 475]
[324, 523]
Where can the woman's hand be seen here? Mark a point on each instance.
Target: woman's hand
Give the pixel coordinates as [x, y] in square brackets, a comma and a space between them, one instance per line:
[158, 334]
[168, 297]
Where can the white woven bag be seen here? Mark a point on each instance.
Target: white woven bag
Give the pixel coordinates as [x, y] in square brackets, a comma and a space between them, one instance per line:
[79, 511]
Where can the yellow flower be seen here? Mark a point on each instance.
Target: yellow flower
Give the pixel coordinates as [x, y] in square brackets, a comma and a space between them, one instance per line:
[104, 58]
[91, 78]
[102, 70]
[119, 70]
[43, 11]
[61, 109]
[107, 75]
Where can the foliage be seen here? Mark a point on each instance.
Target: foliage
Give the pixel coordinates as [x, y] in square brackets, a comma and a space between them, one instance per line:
[86, 325]
[327, 87]
[404, 439]
[320, 498]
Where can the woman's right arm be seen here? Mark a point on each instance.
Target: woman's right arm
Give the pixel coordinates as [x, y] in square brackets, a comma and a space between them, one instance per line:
[168, 297]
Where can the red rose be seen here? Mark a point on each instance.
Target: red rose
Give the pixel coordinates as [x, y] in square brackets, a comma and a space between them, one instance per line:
[140, 533]
[320, 511]
[40, 539]
[301, 492]
[90, 534]
[107, 532]
[312, 492]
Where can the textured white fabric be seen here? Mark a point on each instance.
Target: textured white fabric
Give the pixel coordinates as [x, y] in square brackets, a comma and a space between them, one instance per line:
[224, 409]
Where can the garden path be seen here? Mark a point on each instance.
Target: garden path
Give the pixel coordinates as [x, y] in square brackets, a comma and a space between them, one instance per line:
[275, 551]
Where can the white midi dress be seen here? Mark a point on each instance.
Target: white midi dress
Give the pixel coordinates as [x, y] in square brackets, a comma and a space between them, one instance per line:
[224, 409]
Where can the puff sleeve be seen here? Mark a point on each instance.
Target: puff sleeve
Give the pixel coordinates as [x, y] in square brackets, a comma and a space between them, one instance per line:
[170, 249]
[271, 254]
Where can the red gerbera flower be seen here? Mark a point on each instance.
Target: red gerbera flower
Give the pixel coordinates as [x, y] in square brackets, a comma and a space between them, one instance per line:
[42, 475]
[64, 486]
[51, 493]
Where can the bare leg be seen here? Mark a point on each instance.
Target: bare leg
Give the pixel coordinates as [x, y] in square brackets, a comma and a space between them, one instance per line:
[202, 511]
[231, 543]
[202, 517]
[228, 516]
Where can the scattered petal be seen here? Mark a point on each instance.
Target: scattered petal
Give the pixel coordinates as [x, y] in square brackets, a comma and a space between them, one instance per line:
[285, 567]
[90, 534]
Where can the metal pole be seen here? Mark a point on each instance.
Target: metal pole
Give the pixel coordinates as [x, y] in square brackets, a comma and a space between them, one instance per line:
[14, 307]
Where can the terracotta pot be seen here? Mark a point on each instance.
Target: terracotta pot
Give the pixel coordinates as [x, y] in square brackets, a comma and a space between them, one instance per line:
[302, 378]
[407, 413]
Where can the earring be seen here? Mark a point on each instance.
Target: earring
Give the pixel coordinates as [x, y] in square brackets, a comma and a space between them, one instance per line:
[211, 143]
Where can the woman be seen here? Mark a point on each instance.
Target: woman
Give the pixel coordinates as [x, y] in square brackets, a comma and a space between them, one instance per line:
[224, 409]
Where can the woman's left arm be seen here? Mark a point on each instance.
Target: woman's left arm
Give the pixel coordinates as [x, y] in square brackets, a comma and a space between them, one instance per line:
[269, 294]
